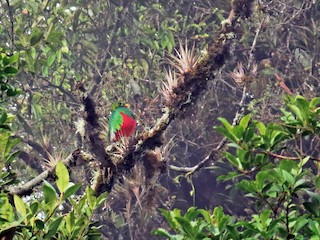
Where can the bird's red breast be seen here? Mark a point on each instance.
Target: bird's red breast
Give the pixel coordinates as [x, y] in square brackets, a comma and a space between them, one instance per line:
[127, 127]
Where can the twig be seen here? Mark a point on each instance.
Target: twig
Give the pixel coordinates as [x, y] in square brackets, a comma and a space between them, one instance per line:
[214, 152]
[191, 170]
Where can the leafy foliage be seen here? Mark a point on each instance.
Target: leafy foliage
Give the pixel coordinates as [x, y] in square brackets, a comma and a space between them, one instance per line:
[46, 218]
[117, 50]
[7, 141]
[285, 188]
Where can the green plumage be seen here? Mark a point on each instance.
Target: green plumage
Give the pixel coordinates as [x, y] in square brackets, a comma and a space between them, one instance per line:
[116, 120]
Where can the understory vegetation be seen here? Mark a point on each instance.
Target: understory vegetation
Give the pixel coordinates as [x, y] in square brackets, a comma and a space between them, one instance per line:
[226, 96]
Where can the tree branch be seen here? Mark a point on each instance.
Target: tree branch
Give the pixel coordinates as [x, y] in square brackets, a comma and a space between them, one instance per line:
[25, 188]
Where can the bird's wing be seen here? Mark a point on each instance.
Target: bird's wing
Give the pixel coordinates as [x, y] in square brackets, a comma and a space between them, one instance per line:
[115, 123]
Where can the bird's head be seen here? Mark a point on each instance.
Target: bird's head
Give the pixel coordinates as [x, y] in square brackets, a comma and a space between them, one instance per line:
[115, 105]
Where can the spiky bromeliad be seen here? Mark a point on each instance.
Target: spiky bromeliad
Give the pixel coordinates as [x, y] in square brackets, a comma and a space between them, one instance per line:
[121, 122]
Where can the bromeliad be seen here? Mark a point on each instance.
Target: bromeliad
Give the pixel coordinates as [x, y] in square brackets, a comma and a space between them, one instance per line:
[121, 122]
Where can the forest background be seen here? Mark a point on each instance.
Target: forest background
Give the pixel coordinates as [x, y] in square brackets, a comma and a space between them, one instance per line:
[225, 98]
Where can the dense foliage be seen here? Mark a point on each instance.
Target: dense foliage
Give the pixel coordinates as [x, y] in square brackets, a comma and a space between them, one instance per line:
[184, 67]
[279, 176]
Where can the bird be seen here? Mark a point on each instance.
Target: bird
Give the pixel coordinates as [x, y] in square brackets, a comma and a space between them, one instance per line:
[122, 122]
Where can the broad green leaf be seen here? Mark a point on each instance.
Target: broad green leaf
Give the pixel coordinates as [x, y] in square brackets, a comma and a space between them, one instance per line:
[300, 223]
[53, 228]
[191, 214]
[185, 226]
[55, 36]
[39, 224]
[302, 103]
[226, 133]
[314, 226]
[20, 206]
[63, 176]
[34, 207]
[261, 127]
[36, 36]
[13, 59]
[45, 71]
[237, 131]
[91, 199]
[288, 177]
[164, 233]
[10, 71]
[261, 177]
[297, 112]
[49, 192]
[246, 186]
[312, 207]
[101, 198]
[3, 117]
[170, 216]
[51, 59]
[71, 190]
[265, 218]
[206, 215]
[226, 124]
[218, 213]
[234, 160]
[245, 121]
[145, 66]
[4, 142]
[314, 102]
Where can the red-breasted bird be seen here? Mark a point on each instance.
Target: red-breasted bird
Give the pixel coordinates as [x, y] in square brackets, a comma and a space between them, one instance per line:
[121, 123]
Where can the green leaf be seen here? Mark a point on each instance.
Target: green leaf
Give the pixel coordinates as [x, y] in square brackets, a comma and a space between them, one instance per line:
[13, 59]
[34, 208]
[145, 66]
[45, 71]
[63, 176]
[53, 228]
[91, 199]
[288, 177]
[170, 217]
[265, 218]
[51, 59]
[162, 232]
[314, 102]
[313, 208]
[191, 214]
[261, 127]
[36, 36]
[10, 71]
[297, 112]
[55, 36]
[3, 117]
[206, 215]
[314, 226]
[234, 160]
[101, 198]
[226, 124]
[19, 204]
[39, 224]
[71, 190]
[185, 226]
[49, 192]
[246, 186]
[245, 121]
[226, 133]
